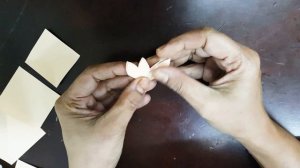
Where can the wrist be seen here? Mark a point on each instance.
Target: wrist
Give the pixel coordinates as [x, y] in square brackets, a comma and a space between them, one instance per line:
[270, 141]
[263, 133]
[103, 153]
[255, 125]
[91, 160]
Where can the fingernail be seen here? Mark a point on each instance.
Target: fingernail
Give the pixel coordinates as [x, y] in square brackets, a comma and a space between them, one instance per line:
[140, 89]
[141, 85]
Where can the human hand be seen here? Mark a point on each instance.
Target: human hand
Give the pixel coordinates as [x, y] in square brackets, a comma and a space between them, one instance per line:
[94, 114]
[232, 102]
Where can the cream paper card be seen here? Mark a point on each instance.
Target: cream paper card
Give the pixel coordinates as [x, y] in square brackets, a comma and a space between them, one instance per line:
[21, 164]
[51, 58]
[27, 99]
[143, 69]
[17, 138]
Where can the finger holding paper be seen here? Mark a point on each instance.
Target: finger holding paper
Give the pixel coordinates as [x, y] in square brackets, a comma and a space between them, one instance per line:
[233, 83]
[94, 113]
[232, 102]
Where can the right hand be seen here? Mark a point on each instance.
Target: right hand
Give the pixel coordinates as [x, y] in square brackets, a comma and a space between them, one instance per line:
[232, 102]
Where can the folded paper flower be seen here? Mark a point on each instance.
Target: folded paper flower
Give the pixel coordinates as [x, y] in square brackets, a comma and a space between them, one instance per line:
[143, 69]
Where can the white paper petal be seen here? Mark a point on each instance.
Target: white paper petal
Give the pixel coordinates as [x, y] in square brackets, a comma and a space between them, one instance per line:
[162, 63]
[132, 70]
[144, 67]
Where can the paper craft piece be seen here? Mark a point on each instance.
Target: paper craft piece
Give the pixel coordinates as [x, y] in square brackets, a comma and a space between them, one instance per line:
[27, 99]
[21, 164]
[51, 58]
[143, 69]
[17, 138]
[2, 124]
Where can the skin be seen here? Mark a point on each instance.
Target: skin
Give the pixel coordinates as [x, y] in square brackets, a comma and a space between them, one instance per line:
[94, 112]
[232, 102]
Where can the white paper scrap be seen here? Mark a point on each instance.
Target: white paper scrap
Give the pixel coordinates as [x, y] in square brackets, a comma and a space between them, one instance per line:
[17, 138]
[51, 58]
[27, 99]
[143, 69]
[21, 164]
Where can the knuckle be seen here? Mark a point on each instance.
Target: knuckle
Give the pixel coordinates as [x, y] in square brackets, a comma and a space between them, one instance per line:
[65, 104]
[254, 59]
[204, 30]
[132, 104]
[157, 51]
[175, 40]
[95, 66]
[208, 29]
[129, 101]
[57, 103]
[118, 63]
[89, 68]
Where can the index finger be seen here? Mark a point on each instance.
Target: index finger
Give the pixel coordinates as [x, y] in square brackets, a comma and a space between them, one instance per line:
[212, 42]
[87, 82]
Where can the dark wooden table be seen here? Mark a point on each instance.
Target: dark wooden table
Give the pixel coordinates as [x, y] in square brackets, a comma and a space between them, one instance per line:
[167, 132]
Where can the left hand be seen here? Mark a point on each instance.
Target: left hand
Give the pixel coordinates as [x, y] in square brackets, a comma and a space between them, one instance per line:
[94, 114]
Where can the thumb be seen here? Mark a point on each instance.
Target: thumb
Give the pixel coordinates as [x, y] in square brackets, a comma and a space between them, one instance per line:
[132, 98]
[190, 89]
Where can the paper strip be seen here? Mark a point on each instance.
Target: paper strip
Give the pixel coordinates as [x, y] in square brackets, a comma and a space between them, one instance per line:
[27, 99]
[21, 164]
[51, 58]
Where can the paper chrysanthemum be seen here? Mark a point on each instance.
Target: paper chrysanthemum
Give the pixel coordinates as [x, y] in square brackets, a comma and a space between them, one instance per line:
[143, 69]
